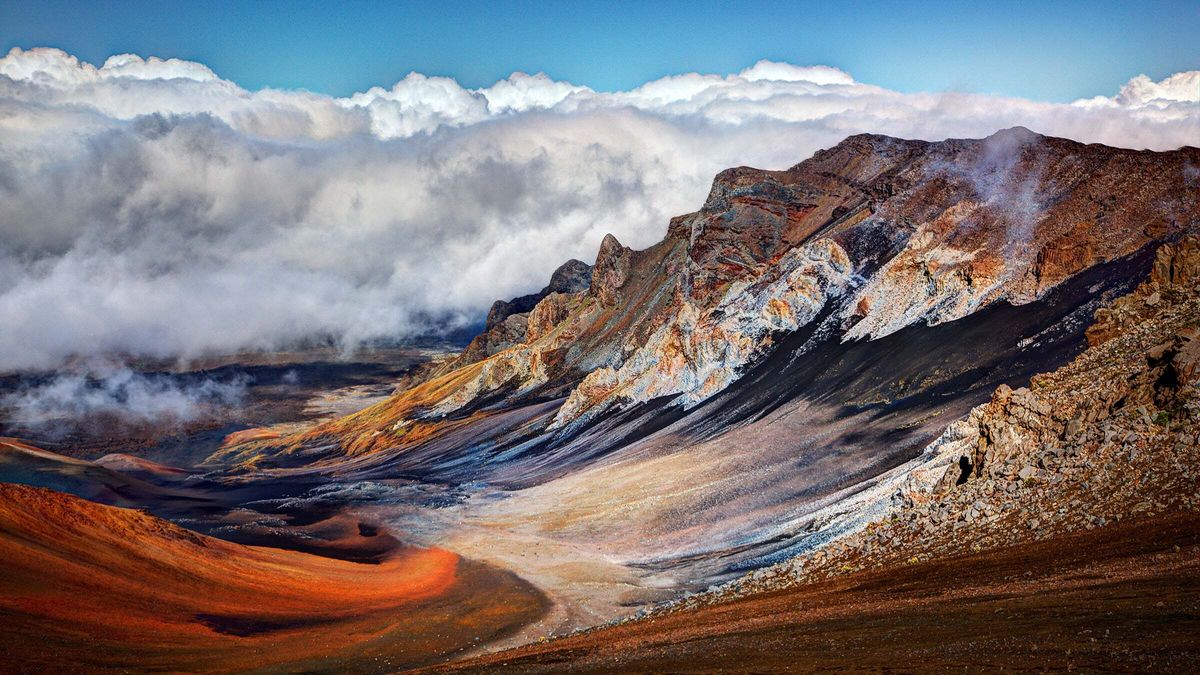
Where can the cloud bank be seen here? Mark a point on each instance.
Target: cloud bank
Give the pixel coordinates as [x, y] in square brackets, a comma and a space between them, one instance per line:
[152, 208]
[116, 393]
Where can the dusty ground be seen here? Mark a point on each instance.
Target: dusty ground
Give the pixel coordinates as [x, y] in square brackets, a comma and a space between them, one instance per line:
[1126, 597]
[88, 587]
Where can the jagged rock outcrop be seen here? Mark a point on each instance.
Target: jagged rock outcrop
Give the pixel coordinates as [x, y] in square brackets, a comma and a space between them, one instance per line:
[700, 352]
[507, 320]
[1176, 266]
[1144, 357]
[610, 271]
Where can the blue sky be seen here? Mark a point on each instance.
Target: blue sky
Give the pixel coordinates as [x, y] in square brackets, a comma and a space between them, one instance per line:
[1050, 51]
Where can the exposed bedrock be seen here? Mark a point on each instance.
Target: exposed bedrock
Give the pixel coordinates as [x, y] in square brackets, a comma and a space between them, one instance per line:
[507, 320]
[1154, 366]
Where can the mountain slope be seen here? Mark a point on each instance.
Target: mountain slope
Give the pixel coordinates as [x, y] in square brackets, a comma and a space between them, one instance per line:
[1056, 527]
[790, 347]
[872, 235]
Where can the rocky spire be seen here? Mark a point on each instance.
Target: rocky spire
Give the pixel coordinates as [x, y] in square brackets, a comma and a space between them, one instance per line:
[610, 271]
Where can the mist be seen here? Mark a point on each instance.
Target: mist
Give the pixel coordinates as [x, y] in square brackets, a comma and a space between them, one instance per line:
[119, 395]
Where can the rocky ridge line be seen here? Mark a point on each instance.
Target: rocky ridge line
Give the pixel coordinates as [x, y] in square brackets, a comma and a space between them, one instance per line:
[883, 232]
[973, 223]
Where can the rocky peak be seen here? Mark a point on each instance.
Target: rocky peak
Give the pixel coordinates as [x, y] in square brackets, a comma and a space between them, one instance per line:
[1018, 135]
[743, 181]
[572, 276]
[611, 270]
[508, 320]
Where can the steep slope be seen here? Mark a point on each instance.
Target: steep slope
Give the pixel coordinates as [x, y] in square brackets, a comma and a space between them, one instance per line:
[98, 587]
[1057, 526]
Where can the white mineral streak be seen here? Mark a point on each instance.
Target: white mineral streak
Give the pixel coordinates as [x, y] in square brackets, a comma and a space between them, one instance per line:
[928, 281]
[700, 352]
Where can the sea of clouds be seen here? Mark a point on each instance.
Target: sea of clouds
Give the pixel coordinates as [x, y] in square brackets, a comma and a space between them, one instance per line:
[151, 208]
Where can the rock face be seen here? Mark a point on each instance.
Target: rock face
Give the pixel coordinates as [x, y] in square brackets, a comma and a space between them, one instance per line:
[610, 271]
[507, 320]
[548, 313]
[1137, 380]
[872, 236]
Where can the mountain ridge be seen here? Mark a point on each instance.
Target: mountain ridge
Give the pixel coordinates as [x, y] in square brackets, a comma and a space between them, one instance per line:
[900, 231]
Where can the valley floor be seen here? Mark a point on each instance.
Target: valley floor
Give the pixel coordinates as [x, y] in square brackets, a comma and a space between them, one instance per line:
[1124, 597]
[87, 587]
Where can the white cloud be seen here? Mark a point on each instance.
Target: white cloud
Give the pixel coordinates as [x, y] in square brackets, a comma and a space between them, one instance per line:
[151, 207]
[55, 68]
[71, 398]
[1178, 88]
[785, 72]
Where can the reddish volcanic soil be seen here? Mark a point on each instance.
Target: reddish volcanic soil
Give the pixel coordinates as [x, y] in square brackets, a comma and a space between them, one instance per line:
[87, 586]
[1126, 597]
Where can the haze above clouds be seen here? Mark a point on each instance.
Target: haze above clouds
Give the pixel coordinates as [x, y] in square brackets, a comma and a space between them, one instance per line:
[153, 209]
